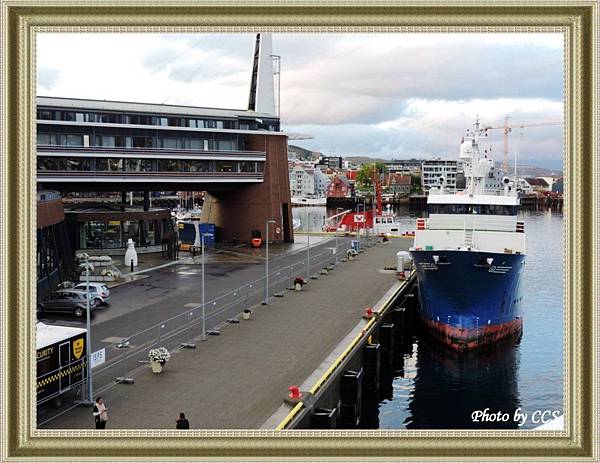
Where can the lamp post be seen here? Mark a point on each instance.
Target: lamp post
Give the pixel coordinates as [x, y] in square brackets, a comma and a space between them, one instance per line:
[337, 212]
[358, 223]
[203, 304]
[88, 336]
[308, 248]
[266, 301]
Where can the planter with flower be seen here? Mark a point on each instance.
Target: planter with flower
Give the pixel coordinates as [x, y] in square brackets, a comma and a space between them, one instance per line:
[158, 358]
[299, 282]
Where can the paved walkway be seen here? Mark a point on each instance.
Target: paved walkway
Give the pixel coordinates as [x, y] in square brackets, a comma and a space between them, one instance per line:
[238, 379]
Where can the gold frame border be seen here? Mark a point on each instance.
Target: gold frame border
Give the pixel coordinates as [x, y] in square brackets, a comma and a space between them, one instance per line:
[20, 21]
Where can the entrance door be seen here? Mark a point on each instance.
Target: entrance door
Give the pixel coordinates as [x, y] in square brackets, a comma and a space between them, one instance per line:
[286, 222]
[64, 358]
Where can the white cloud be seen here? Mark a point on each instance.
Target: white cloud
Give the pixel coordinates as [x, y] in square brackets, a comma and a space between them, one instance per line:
[382, 94]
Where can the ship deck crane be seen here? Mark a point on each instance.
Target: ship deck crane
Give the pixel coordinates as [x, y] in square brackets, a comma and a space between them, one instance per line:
[507, 128]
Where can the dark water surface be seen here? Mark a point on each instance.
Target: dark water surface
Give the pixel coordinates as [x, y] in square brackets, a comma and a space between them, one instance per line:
[433, 388]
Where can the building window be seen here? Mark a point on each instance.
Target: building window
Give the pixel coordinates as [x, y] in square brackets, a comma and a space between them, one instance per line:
[226, 145]
[45, 115]
[107, 141]
[199, 166]
[167, 165]
[143, 142]
[168, 143]
[109, 165]
[247, 166]
[47, 163]
[138, 165]
[77, 164]
[225, 166]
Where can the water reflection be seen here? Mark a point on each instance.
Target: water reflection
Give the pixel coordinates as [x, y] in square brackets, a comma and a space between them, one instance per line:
[448, 387]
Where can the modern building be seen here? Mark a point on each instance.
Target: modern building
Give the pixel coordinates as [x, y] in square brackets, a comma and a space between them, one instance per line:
[308, 181]
[433, 170]
[333, 162]
[404, 166]
[302, 181]
[239, 157]
[54, 253]
[321, 182]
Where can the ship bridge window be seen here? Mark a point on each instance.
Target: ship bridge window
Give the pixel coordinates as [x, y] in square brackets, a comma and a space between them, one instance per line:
[481, 209]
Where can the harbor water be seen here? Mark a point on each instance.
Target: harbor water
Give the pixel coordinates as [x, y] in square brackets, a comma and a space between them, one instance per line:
[434, 388]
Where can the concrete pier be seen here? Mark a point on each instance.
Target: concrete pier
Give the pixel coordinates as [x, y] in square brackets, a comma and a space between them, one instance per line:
[240, 378]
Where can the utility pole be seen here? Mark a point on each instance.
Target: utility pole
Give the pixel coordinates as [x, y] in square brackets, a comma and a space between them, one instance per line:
[88, 337]
[266, 302]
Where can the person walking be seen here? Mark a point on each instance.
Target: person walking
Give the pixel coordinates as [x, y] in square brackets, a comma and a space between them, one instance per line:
[100, 413]
[182, 422]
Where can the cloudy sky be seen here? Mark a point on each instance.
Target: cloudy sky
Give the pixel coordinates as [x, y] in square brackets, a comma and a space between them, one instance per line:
[381, 95]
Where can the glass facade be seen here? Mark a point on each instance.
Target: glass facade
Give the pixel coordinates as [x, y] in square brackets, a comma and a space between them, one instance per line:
[481, 209]
[150, 120]
[91, 164]
[113, 234]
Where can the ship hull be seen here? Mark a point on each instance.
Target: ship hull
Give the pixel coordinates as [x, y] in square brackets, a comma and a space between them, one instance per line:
[466, 302]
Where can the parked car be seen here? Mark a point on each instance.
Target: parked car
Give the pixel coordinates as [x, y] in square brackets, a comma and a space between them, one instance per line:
[98, 291]
[65, 301]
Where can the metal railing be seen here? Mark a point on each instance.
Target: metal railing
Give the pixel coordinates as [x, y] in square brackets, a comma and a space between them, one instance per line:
[124, 356]
[119, 150]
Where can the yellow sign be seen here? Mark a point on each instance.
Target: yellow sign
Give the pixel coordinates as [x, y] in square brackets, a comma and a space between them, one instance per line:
[114, 222]
[78, 347]
[181, 226]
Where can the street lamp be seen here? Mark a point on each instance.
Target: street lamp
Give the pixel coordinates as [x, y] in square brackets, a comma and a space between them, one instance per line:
[358, 223]
[308, 248]
[88, 337]
[337, 213]
[203, 304]
[266, 302]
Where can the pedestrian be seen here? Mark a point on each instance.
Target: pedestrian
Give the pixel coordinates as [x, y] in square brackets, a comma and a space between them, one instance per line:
[100, 413]
[182, 422]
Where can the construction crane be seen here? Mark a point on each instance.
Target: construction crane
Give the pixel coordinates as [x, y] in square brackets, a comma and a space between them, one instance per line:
[507, 128]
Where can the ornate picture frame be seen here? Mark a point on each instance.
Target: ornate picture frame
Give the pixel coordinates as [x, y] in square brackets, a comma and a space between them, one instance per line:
[22, 20]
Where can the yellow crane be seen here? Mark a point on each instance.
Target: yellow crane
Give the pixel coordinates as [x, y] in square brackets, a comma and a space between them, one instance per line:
[507, 128]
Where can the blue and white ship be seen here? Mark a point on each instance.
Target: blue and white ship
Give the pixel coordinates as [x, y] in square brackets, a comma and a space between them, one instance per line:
[469, 255]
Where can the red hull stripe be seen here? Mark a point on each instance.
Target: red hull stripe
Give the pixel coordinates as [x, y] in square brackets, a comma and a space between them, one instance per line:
[462, 339]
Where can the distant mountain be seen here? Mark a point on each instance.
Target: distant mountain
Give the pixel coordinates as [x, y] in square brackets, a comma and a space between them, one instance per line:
[302, 154]
[533, 171]
[363, 159]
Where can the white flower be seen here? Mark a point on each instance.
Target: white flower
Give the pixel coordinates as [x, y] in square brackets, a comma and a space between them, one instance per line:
[160, 355]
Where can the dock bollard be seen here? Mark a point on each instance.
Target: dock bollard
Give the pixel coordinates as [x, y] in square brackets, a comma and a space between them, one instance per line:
[368, 313]
[294, 392]
[371, 366]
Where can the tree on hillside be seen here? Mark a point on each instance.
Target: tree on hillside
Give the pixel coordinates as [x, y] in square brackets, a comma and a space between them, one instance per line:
[364, 176]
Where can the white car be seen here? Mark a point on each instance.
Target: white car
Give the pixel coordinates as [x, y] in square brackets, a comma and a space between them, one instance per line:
[98, 291]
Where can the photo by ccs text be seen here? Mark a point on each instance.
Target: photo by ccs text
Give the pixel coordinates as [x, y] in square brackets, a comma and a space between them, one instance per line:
[519, 416]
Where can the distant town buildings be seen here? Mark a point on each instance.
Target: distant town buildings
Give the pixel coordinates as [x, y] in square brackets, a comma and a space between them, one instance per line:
[432, 171]
[404, 166]
[339, 188]
[533, 185]
[332, 162]
[335, 176]
[397, 184]
[307, 181]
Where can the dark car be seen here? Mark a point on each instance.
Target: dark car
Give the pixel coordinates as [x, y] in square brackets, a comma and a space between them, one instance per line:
[66, 302]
